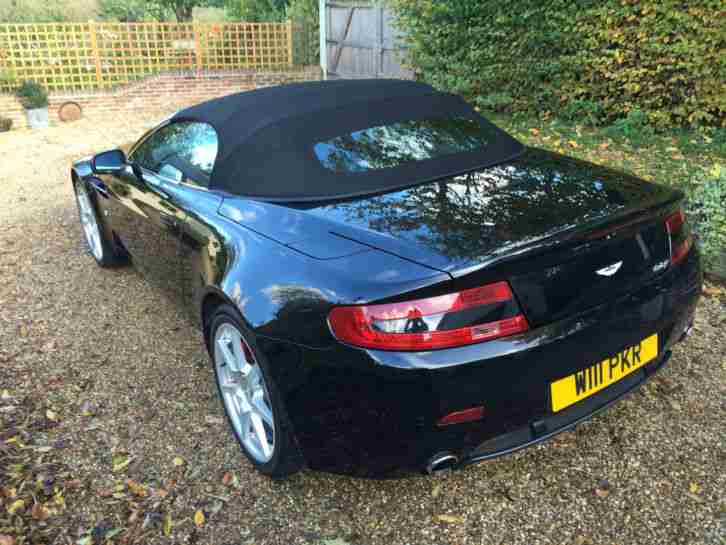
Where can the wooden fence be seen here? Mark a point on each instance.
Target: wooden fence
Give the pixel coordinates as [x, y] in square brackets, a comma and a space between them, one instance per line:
[361, 40]
[73, 56]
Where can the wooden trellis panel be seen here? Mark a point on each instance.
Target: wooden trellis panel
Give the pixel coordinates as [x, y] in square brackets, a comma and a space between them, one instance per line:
[72, 56]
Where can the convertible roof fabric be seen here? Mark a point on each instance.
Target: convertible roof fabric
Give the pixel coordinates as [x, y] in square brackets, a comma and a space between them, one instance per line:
[266, 137]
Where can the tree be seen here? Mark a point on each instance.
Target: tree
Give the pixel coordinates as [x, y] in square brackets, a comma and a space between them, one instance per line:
[257, 10]
[182, 9]
[131, 11]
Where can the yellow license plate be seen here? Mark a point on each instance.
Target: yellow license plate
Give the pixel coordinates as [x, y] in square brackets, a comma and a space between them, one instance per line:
[591, 380]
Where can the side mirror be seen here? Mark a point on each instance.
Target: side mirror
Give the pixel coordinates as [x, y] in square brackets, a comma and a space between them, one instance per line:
[109, 162]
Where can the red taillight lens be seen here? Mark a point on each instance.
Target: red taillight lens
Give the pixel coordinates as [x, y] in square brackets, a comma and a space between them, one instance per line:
[456, 319]
[679, 235]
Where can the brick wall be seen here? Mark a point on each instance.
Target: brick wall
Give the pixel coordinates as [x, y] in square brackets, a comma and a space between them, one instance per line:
[161, 92]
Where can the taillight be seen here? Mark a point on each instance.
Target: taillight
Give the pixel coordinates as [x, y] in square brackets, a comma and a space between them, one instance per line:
[466, 317]
[679, 235]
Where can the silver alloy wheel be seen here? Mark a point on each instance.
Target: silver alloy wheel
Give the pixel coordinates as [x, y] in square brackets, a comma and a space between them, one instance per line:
[88, 222]
[244, 393]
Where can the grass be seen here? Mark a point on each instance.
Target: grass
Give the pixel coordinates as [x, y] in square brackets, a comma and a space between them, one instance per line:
[678, 158]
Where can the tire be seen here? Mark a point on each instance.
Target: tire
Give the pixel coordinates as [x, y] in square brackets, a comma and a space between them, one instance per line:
[99, 246]
[239, 393]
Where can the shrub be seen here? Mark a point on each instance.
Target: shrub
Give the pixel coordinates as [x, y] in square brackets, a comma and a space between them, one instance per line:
[7, 80]
[634, 127]
[32, 95]
[601, 59]
[707, 207]
[498, 102]
[5, 124]
[585, 111]
[306, 28]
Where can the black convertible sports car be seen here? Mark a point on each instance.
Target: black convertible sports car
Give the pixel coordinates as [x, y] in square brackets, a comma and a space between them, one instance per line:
[385, 280]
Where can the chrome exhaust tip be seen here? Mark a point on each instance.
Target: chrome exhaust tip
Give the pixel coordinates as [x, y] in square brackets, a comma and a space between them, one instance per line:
[441, 462]
[687, 332]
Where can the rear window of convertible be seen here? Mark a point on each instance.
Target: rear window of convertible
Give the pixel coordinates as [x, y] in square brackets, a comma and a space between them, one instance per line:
[388, 146]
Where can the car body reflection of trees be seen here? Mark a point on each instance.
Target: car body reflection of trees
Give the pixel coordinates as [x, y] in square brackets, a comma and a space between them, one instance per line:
[461, 216]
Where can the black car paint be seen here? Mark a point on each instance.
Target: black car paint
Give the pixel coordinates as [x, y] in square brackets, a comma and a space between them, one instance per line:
[373, 412]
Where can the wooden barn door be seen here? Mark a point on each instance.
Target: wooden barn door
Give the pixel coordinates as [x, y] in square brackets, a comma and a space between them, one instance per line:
[361, 42]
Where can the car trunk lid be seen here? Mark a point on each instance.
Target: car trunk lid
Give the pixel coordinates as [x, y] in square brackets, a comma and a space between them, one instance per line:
[566, 234]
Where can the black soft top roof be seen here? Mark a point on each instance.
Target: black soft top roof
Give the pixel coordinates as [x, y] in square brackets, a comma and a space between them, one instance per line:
[266, 137]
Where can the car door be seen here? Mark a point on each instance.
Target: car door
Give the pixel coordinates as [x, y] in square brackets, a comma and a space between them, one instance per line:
[147, 216]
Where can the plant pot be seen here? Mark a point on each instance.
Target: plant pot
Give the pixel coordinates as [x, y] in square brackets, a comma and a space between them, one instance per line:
[37, 118]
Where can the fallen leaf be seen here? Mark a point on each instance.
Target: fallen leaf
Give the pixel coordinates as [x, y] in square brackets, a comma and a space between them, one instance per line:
[39, 512]
[178, 462]
[713, 290]
[167, 524]
[436, 491]
[199, 518]
[59, 500]
[105, 493]
[573, 143]
[50, 415]
[73, 484]
[86, 409]
[535, 132]
[694, 488]
[7, 540]
[450, 519]
[120, 462]
[133, 517]
[137, 489]
[229, 479]
[602, 492]
[16, 506]
[112, 533]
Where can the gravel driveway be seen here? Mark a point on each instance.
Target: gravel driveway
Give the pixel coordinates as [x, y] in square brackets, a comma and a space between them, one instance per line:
[109, 416]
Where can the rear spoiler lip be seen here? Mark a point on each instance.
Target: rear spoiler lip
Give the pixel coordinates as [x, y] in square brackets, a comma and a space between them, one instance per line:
[572, 236]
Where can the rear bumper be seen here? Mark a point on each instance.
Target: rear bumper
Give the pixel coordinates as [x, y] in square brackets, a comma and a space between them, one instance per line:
[374, 413]
[549, 426]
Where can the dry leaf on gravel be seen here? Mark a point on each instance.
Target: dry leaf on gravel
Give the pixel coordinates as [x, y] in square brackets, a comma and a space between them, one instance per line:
[602, 490]
[39, 512]
[137, 489]
[167, 526]
[713, 290]
[17, 505]
[7, 540]
[120, 462]
[450, 519]
[199, 518]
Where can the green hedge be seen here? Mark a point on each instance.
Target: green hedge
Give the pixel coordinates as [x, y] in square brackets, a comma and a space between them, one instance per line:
[595, 61]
